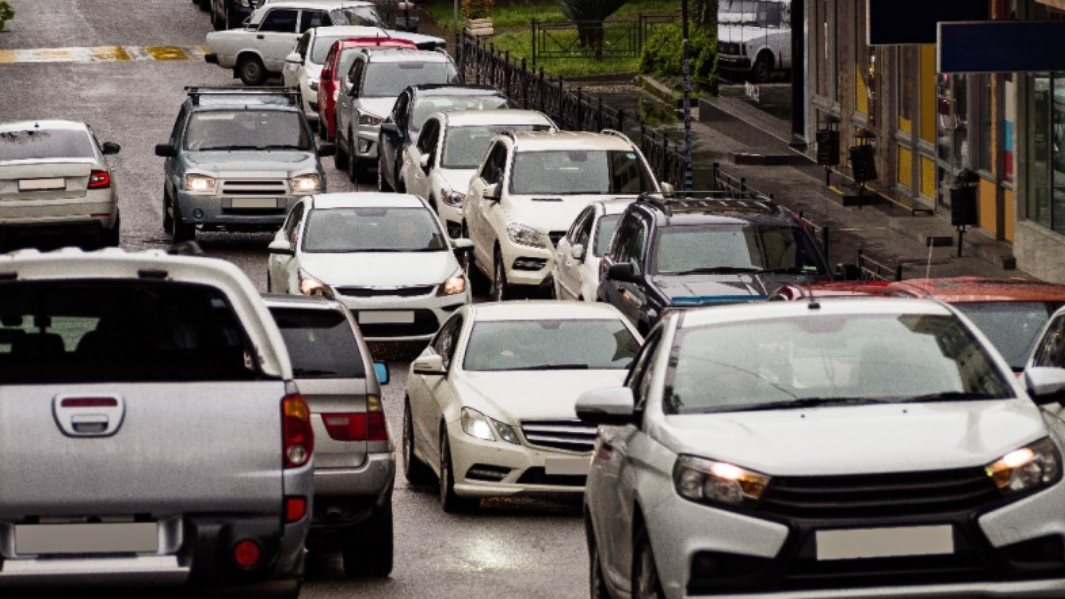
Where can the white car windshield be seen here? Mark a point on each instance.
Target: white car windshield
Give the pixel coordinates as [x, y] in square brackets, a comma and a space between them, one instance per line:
[372, 230]
[465, 146]
[822, 359]
[389, 79]
[1013, 327]
[45, 143]
[599, 344]
[566, 172]
[246, 130]
[426, 106]
[365, 16]
[696, 249]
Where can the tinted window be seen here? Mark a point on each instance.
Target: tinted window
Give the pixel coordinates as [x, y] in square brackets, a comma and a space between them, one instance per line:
[426, 106]
[550, 344]
[389, 79]
[683, 249]
[1012, 327]
[580, 171]
[280, 20]
[246, 130]
[360, 15]
[321, 343]
[465, 146]
[373, 230]
[45, 143]
[607, 224]
[88, 331]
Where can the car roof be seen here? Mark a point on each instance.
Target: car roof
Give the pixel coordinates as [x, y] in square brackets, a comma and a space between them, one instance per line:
[360, 42]
[382, 54]
[43, 124]
[614, 206]
[981, 289]
[495, 116]
[366, 199]
[324, 4]
[454, 89]
[720, 209]
[755, 311]
[539, 141]
[550, 309]
[352, 31]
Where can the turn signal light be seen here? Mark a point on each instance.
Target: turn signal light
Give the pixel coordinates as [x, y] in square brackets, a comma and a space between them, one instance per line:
[247, 553]
[295, 509]
[99, 180]
[298, 438]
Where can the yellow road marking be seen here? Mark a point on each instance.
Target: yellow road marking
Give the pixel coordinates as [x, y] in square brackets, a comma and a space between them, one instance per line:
[8, 57]
[102, 54]
[166, 53]
[54, 54]
[108, 53]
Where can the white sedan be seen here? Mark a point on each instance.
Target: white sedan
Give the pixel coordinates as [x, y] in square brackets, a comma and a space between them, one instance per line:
[575, 270]
[490, 403]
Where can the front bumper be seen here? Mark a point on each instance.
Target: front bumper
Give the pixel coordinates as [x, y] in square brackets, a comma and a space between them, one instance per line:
[220, 212]
[366, 142]
[526, 265]
[451, 216]
[400, 319]
[734, 63]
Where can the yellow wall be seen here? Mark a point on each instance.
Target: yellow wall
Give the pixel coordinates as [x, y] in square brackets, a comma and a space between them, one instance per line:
[905, 162]
[928, 93]
[985, 201]
[928, 176]
[1011, 200]
[861, 92]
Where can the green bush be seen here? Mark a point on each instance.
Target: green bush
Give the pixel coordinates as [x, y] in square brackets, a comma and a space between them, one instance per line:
[6, 13]
[662, 55]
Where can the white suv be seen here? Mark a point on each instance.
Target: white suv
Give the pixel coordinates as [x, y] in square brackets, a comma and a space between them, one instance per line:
[529, 188]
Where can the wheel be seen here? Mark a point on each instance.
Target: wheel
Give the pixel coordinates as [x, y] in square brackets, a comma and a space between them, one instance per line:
[323, 131]
[181, 231]
[645, 582]
[763, 68]
[416, 472]
[382, 185]
[500, 289]
[451, 502]
[251, 71]
[368, 550]
[340, 158]
[168, 219]
[597, 583]
[353, 163]
[110, 237]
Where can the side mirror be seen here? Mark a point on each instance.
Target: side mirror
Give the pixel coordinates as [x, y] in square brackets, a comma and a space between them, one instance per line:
[389, 127]
[353, 91]
[294, 58]
[430, 365]
[667, 187]
[623, 272]
[492, 192]
[576, 251]
[281, 246]
[381, 370]
[110, 147]
[1046, 385]
[326, 148]
[462, 244]
[611, 406]
[165, 150]
[847, 272]
[423, 162]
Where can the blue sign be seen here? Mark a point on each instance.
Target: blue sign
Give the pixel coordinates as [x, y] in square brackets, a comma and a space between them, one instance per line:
[901, 22]
[1000, 47]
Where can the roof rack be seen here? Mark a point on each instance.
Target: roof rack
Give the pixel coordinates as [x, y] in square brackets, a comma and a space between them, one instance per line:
[710, 199]
[617, 133]
[195, 91]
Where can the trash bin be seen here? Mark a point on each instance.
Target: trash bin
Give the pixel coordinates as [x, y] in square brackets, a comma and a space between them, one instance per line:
[963, 211]
[828, 147]
[863, 163]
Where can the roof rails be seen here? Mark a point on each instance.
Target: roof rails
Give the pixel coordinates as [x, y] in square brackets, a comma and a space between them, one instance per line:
[617, 133]
[710, 199]
[195, 91]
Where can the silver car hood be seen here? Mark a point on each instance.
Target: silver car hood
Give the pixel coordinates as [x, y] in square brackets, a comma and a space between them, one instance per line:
[380, 269]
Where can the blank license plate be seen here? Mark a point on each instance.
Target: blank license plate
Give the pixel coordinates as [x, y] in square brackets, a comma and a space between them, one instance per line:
[884, 542]
[386, 317]
[41, 184]
[567, 466]
[253, 203]
[124, 537]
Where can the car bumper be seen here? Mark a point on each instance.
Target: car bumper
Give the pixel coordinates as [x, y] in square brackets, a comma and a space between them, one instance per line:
[213, 211]
[391, 318]
[527, 265]
[96, 209]
[451, 216]
[734, 63]
[366, 142]
[372, 479]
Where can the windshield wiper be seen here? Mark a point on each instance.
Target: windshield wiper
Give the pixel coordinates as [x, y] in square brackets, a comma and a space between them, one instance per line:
[554, 367]
[950, 396]
[807, 402]
[717, 270]
[311, 372]
[790, 270]
[281, 147]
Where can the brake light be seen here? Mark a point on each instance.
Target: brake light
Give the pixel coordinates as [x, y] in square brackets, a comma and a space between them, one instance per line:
[89, 402]
[297, 436]
[295, 508]
[99, 180]
[247, 553]
[356, 426]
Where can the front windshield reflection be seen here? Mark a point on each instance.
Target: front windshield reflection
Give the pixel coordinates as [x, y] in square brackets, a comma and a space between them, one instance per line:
[550, 345]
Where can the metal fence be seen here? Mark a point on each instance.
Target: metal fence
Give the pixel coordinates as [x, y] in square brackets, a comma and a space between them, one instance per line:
[616, 38]
[874, 270]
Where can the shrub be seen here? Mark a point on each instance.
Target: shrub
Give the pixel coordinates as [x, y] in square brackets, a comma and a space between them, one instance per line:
[6, 13]
[477, 9]
[663, 53]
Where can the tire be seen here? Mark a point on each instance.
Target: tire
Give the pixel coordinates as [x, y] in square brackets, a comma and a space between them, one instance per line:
[168, 220]
[763, 68]
[181, 231]
[368, 550]
[500, 289]
[597, 588]
[382, 185]
[110, 237]
[451, 502]
[340, 158]
[415, 470]
[479, 283]
[251, 70]
[353, 163]
[645, 581]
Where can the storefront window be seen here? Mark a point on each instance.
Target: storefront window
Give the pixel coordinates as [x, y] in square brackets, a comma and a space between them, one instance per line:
[985, 115]
[908, 75]
[1039, 151]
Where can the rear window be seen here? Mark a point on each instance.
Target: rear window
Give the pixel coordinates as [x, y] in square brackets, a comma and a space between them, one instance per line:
[321, 343]
[36, 144]
[97, 331]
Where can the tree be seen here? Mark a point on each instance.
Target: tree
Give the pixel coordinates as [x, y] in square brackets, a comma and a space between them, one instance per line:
[6, 13]
[589, 16]
[704, 13]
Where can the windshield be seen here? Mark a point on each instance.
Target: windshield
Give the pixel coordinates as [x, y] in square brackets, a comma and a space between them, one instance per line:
[36, 144]
[563, 172]
[428, 105]
[751, 13]
[550, 344]
[389, 79]
[852, 357]
[465, 146]
[321, 343]
[607, 224]
[749, 247]
[246, 130]
[373, 230]
[1012, 327]
[358, 15]
[321, 46]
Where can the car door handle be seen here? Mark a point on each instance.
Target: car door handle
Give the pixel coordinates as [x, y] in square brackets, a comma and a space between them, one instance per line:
[259, 37]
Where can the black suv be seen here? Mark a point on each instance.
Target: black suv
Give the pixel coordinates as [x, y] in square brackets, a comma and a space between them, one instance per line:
[690, 249]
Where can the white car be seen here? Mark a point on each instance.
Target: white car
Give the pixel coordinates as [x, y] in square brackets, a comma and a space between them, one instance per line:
[383, 255]
[575, 270]
[529, 188]
[438, 166]
[490, 402]
[55, 178]
[855, 447]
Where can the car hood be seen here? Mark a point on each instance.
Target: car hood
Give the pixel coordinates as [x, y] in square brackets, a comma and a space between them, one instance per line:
[702, 289]
[253, 161]
[456, 179]
[380, 269]
[549, 212]
[860, 439]
[378, 106]
[512, 396]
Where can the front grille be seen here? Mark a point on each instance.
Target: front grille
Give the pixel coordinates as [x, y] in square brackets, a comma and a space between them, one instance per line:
[879, 495]
[568, 435]
[539, 476]
[386, 291]
[255, 187]
[425, 323]
[556, 236]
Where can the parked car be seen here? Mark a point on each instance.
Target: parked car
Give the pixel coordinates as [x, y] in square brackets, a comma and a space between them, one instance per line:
[575, 269]
[383, 255]
[337, 64]
[1010, 311]
[850, 447]
[490, 402]
[529, 188]
[448, 149]
[231, 14]
[355, 460]
[237, 160]
[55, 178]
[791, 292]
[683, 250]
[154, 438]
[367, 94]
[410, 112]
[754, 38]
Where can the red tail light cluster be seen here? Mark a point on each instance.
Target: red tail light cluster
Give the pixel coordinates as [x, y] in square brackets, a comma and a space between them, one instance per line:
[296, 431]
[89, 402]
[99, 180]
[247, 553]
[358, 426]
[295, 508]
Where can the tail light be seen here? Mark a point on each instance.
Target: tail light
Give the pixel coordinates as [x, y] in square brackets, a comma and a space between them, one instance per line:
[99, 180]
[295, 508]
[247, 553]
[296, 431]
[358, 426]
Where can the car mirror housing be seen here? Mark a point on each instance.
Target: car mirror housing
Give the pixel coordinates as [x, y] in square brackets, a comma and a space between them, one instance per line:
[381, 370]
[423, 161]
[492, 192]
[623, 272]
[430, 365]
[281, 246]
[110, 147]
[576, 251]
[611, 406]
[327, 149]
[667, 187]
[462, 244]
[1046, 385]
[389, 127]
[165, 150]
[294, 58]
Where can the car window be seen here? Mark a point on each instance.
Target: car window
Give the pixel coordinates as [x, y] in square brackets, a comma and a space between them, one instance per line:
[546, 344]
[389, 79]
[494, 164]
[376, 229]
[280, 20]
[623, 239]
[323, 44]
[573, 235]
[399, 111]
[45, 143]
[578, 171]
[314, 18]
[321, 343]
[292, 222]
[427, 105]
[781, 248]
[301, 46]
[464, 147]
[1051, 348]
[1012, 327]
[427, 137]
[330, 61]
[358, 15]
[246, 130]
[604, 229]
[447, 340]
[640, 377]
[347, 58]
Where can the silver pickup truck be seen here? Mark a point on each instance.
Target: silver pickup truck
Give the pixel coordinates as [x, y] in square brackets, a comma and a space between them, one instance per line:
[150, 429]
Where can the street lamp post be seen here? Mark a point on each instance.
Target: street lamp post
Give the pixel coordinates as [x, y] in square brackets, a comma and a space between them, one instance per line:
[687, 96]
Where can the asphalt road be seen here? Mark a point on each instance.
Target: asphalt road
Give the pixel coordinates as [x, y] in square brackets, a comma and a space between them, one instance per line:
[509, 548]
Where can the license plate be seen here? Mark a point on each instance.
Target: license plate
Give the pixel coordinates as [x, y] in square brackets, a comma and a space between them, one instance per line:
[253, 203]
[567, 466]
[386, 317]
[42, 184]
[884, 542]
[122, 537]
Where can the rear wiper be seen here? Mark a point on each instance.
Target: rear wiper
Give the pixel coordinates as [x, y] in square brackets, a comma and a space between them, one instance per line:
[311, 372]
[554, 367]
[717, 270]
[809, 402]
[951, 396]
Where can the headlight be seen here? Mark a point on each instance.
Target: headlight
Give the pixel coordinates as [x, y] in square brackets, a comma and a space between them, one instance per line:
[454, 198]
[476, 424]
[306, 183]
[1026, 469]
[312, 286]
[200, 183]
[313, 84]
[454, 285]
[708, 481]
[366, 118]
[525, 235]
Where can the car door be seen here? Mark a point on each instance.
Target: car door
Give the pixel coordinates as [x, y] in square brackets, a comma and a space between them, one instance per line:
[426, 146]
[410, 165]
[430, 394]
[349, 85]
[389, 142]
[282, 269]
[278, 34]
[476, 207]
[567, 268]
[627, 296]
[290, 73]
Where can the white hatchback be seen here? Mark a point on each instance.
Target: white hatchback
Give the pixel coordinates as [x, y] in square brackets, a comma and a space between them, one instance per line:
[575, 270]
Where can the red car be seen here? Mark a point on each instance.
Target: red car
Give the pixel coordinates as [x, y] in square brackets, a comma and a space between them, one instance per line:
[1011, 312]
[337, 64]
[794, 291]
